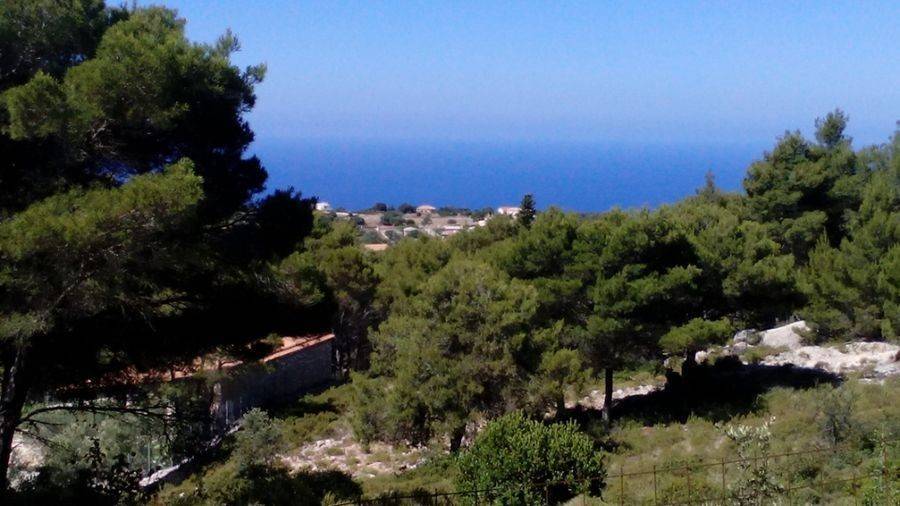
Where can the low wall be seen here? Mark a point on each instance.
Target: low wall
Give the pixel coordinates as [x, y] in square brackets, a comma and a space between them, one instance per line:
[281, 378]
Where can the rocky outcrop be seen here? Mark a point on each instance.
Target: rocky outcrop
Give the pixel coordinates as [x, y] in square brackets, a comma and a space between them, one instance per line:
[874, 360]
[787, 336]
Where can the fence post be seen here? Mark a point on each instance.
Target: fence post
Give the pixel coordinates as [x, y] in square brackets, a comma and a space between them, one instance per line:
[724, 486]
[689, 486]
[655, 488]
[886, 486]
[622, 484]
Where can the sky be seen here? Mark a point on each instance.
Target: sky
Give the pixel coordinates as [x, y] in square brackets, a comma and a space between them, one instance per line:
[666, 72]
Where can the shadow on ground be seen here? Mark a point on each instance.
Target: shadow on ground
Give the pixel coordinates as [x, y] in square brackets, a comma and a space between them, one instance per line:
[716, 392]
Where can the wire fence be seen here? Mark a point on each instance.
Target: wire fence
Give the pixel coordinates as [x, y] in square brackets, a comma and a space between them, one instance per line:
[853, 476]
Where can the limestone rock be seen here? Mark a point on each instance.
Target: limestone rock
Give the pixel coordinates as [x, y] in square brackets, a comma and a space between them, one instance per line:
[872, 359]
[747, 336]
[787, 336]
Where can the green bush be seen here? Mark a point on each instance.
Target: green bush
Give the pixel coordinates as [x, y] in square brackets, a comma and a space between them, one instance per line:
[392, 218]
[258, 441]
[756, 483]
[837, 415]
[522, 461]
[273, 484]
[96, 479]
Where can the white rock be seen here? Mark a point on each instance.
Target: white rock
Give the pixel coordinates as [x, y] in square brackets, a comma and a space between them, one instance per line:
[748, 336]
[787, 336]
[878, 359]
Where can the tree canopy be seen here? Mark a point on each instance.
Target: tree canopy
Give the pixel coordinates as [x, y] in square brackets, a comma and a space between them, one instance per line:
[131, 225]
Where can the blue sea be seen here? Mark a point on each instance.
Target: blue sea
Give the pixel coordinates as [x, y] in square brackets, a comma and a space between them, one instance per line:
[575, 177]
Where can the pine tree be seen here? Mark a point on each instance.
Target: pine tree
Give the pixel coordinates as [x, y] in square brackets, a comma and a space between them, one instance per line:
[527, 210]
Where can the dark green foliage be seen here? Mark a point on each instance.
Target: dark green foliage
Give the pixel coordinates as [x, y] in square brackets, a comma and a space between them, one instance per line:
[520, 461]
[129, 231]
[805, 190]
[645, 281]
[273, 485]
[333, 271]
[403, 269]
[624, 287]
[93, 477]
[483, 213]
[258, 441]
[527, 210]
[854, 288]
[745, 275]
[452, 352]
[697, 334]
[837, 418]
[452, 211]
[392, 218]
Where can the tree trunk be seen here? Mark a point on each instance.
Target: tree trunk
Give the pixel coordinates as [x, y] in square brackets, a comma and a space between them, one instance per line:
[560, 405]
[689, 365]
[13, 391]
[607, 396]
[456, 438]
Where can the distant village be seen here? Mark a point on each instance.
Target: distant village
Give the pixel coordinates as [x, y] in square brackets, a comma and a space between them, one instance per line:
[383, 225]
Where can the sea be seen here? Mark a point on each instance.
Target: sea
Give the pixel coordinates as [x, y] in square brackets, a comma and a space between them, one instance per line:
[581, 177]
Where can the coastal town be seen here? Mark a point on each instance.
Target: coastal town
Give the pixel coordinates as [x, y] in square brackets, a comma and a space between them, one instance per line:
[383, 225]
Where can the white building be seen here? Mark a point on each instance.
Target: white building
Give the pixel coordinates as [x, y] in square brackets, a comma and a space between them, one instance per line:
[449, 230]
[323, 206]
[425, 209]
[509, 210]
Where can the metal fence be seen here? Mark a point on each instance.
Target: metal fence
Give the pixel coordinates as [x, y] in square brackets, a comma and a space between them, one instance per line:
[855, 477]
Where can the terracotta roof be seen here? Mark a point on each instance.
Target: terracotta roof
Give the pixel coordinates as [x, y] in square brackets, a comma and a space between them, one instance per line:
[289, 346]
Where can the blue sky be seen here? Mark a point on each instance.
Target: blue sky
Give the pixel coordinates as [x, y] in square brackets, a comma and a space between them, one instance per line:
[658, 72]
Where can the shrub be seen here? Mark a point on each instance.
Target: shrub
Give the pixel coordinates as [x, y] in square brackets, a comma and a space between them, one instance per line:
[274, 485]
[837, 415]
[755, 482]
[258, 440]
[96, 479]
[392, 218]
[756, 354]
[523, 461]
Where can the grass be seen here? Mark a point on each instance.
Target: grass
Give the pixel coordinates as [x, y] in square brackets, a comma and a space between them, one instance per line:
[800, 422]
[756, 354]
[437, 474]
[854, 414]
[799, 417]
[315, 416]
